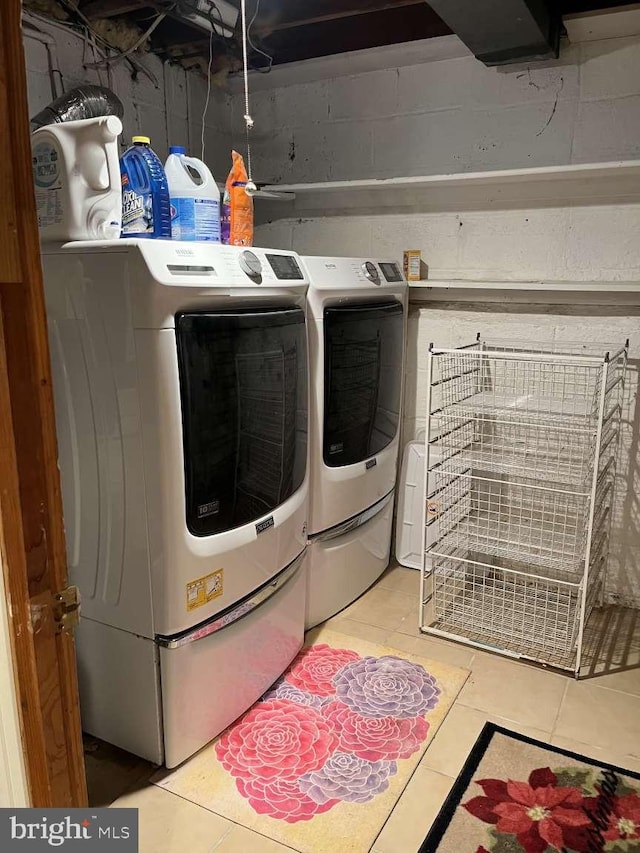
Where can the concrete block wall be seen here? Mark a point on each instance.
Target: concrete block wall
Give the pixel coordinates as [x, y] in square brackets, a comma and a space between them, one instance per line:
[569, 244]
[451, 115]
[456, 115]
[169, 110]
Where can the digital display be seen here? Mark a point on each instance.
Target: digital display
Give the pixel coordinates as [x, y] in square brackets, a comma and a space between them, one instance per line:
[391, 272]
[285, 267]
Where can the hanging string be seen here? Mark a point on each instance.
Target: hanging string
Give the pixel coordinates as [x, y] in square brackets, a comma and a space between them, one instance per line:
[251, 187]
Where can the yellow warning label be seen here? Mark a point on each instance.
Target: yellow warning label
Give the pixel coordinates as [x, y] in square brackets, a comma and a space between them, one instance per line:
[204, 590]
[433, 509]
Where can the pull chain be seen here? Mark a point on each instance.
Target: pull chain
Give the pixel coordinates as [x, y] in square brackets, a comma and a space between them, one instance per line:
[251, 187]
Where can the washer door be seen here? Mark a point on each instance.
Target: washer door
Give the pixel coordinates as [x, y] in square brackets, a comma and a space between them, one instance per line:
[243, 387]
[363, 380]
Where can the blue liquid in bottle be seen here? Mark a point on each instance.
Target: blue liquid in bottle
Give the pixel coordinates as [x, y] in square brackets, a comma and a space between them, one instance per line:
[146, 206]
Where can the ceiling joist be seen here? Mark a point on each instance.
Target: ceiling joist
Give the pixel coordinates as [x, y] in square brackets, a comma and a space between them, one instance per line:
[361, 9]
[111, 8]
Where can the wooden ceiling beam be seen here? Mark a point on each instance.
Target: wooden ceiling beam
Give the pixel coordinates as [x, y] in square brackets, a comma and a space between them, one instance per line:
[111, 8]
[364, 9]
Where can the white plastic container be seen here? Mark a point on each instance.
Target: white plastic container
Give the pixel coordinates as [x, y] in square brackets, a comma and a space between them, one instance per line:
[410, 507]
[195, 198]
[76, 171]
[410, 514]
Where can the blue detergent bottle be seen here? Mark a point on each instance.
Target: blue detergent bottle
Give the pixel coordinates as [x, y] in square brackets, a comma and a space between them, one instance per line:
[146, 207]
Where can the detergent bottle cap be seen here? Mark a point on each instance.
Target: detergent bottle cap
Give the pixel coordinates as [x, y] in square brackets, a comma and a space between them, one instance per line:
[144, 139]
[177, 149]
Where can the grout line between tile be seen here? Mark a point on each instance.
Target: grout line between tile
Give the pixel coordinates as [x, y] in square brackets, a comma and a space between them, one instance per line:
[217, 844]
[404, 790]
[508, 719]
[193, 803]
[562, 701]
[610, 689]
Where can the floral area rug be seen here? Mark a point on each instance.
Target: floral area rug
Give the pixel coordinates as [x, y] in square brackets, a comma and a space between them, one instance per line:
[518, 795]
[320, 761]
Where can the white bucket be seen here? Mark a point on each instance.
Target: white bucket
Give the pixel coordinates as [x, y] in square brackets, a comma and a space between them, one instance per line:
[76, 170]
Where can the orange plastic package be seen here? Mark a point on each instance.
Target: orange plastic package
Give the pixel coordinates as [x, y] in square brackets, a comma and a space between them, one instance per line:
[236, 218]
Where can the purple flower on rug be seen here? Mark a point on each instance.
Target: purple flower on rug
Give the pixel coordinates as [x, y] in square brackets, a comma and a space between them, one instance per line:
[283, 690]
[387, 686]
[348, 778]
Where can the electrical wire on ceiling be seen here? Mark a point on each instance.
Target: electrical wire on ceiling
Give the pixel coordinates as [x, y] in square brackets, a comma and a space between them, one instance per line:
[145, 35]
[207, 99]
[80, 31]
[31, 30]
[257, 49]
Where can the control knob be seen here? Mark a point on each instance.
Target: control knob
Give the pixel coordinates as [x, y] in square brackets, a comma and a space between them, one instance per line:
[371, 272]
[251, 266]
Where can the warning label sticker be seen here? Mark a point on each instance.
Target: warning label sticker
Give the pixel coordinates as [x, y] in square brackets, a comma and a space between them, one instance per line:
[433, 509]
[203, 590]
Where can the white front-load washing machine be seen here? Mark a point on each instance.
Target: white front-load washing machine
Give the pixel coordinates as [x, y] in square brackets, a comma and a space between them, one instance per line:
[181, 393]
[357, 326]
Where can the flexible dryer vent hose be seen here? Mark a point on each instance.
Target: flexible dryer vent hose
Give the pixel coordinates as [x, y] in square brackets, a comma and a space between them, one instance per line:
[82, 102]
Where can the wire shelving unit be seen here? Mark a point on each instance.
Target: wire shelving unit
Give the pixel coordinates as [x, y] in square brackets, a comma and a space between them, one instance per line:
[521, 450]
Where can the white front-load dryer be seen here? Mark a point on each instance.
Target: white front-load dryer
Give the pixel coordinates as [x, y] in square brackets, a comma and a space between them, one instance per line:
[357, 329]
[181, 391]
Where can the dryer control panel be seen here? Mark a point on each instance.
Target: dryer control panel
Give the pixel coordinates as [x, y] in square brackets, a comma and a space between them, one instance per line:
[342, 273]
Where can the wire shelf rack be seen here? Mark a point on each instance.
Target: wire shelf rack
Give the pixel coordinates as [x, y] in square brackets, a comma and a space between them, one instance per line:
[521, 450]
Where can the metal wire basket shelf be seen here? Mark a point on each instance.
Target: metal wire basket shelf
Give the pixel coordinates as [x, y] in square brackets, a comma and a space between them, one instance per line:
[521, 450]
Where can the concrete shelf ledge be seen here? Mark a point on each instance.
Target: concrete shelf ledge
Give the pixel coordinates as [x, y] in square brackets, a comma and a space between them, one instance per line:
[530, 292]
[528, 286]
[550, 186]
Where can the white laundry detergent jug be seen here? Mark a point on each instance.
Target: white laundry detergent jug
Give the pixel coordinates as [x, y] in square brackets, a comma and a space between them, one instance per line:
[76, 170]
[195, 198]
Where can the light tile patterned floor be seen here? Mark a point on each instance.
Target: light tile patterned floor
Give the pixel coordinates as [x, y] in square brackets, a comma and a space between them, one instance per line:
[599, 716]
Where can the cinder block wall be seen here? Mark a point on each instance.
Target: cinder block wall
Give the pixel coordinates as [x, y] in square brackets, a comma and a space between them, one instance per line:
[450, 115]
[169, 109]
[455, 115]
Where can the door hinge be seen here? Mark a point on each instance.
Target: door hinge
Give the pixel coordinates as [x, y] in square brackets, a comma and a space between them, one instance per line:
[66, 610]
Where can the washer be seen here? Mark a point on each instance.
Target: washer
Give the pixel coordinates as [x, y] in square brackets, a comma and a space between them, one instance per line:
[357, 329]
[180, 381]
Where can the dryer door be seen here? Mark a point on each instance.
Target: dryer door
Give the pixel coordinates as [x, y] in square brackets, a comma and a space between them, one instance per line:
[363, 380]
[243, 386]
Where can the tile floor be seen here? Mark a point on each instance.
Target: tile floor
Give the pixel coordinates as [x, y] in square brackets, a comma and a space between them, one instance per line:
[598, 716]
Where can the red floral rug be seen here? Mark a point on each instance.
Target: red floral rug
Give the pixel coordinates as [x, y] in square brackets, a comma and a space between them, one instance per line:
[518, 795]
[319, 762]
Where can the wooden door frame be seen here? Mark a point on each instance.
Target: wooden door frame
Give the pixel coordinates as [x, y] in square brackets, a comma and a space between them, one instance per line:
[32, 544]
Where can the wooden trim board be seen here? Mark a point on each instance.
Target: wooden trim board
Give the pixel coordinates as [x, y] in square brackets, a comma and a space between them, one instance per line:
[31, 527]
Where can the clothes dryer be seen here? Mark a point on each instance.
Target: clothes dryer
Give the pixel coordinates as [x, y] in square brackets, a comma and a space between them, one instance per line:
[357, 322]
[180, 384]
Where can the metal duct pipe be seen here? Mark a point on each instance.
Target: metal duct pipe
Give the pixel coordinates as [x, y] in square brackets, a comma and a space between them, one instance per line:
[501, 32]
[82, 102]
